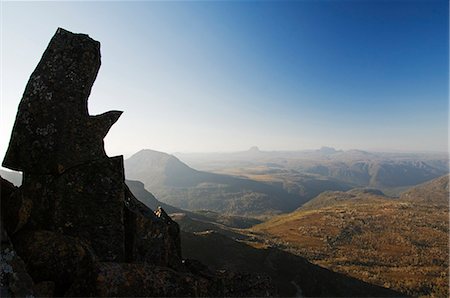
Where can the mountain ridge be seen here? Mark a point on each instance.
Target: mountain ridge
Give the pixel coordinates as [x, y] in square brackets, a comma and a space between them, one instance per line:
[179, 185]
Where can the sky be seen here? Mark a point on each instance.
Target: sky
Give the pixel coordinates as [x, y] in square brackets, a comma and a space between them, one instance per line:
[202, 76]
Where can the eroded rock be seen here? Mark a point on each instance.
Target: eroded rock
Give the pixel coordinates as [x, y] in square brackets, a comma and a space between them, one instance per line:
[53, 130]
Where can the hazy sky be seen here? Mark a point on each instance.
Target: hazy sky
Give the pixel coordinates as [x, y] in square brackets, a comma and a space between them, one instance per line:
[223, 76]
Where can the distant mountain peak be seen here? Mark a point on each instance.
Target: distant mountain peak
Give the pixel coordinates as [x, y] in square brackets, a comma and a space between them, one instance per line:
[254, 149]
[327, 150]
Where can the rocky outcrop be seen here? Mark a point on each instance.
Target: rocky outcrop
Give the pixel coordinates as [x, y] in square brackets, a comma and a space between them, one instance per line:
[74, 222]
[53, 130]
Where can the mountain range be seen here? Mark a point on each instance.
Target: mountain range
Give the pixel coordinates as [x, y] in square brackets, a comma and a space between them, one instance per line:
[390, 172]
[260, 184]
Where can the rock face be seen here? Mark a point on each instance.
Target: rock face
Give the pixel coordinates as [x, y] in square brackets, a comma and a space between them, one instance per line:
[74, 222]
[53, 130]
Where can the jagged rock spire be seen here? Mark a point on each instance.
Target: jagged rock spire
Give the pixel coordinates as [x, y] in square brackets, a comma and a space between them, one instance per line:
[53, 130]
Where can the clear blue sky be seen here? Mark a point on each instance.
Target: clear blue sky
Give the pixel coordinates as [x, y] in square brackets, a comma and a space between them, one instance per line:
[223, 76]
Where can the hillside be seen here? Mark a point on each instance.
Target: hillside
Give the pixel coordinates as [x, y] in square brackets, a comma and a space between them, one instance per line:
[331, 198]
[174, 183]
[205, 234]
[192, 221]
[292, 275]
[397, 243]
[432, 192]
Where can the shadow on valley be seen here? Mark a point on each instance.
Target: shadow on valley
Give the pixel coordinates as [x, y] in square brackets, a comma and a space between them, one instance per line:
[291, 274]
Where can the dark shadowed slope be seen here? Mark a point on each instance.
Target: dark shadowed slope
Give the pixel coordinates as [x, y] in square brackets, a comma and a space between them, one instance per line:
[146, 197]
[292, 275]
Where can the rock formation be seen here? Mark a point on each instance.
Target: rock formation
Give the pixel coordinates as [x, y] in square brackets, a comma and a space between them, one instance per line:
[75, 227]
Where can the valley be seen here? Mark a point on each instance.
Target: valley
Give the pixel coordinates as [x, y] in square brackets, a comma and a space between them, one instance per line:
[399, 243]
[279, 218]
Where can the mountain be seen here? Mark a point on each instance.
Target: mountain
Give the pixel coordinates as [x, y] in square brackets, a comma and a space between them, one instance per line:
[397, 243]
[433, 192]
[380, 173]
[177, 184]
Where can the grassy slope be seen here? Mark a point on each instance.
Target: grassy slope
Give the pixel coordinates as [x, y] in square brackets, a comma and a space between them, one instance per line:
[400, 244]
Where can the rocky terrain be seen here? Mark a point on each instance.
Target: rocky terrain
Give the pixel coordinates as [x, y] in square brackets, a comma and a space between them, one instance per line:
[401, 243]
[74, 228]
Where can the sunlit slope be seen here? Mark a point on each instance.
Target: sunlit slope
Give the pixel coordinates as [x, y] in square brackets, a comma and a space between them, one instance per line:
[396, 243]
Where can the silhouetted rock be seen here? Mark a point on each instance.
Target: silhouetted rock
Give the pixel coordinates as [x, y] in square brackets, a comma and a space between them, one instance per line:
[15, 209]
[53, 130]
[91, 206]
[50, 256]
